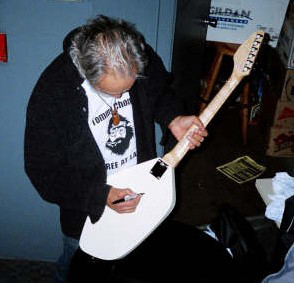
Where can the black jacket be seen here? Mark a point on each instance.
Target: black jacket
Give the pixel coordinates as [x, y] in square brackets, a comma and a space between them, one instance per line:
[62, 159]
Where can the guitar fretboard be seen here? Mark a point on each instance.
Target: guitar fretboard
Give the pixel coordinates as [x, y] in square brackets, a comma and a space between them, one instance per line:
[216, 103]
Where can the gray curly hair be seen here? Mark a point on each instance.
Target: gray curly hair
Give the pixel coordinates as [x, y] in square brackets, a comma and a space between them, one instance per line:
[105, 44]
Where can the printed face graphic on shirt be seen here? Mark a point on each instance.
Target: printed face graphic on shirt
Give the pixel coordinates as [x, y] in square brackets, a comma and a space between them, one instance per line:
[119, 136]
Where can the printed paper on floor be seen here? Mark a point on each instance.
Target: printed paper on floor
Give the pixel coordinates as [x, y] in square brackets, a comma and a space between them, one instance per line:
[242, 169]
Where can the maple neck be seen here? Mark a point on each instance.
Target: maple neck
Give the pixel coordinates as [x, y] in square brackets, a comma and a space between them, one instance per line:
[212, 108]
[179, 151]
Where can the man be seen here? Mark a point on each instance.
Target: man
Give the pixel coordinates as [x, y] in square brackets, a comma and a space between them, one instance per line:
[92, 113]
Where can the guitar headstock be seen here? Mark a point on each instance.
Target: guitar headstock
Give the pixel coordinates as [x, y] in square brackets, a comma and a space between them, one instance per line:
[246, 54]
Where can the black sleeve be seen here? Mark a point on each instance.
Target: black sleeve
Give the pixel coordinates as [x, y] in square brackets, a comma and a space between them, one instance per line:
[59, 162]
[162, 99]
[159, 83]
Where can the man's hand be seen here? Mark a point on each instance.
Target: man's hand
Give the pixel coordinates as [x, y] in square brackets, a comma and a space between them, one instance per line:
[122, 207]
[180, 125]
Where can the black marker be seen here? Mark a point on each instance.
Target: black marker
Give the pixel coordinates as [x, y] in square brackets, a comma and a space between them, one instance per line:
[126, 198]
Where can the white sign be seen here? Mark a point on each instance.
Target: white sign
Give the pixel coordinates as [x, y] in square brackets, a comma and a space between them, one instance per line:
[237, 19]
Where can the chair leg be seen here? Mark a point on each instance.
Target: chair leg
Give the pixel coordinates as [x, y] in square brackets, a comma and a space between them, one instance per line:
[244, 104]
[211, 80]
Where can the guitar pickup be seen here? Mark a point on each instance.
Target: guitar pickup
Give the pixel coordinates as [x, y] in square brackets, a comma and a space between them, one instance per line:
[158, 169]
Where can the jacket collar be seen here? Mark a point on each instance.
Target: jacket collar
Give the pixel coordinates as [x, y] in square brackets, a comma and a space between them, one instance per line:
[72, 74]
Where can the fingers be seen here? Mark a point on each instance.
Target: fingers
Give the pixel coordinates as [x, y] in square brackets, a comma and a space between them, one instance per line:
[195, 120]
[122, 206]
[194, 141]
[181, 124]
[197, 136]
[128, 206]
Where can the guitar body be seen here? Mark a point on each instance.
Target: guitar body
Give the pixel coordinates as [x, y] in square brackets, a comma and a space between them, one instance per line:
[116, 235]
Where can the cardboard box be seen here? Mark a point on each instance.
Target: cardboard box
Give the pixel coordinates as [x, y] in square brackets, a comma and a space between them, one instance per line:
[288, 87]
[284, 115]
[237, 19]
[285, 45]
[278, 91]
[281, 142]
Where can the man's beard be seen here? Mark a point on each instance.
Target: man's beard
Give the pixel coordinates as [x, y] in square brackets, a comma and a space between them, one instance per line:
[119, 146]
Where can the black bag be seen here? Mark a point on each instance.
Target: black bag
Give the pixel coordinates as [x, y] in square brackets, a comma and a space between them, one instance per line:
[237, 234]
[287, 224]
[175, 251]
[286, 234]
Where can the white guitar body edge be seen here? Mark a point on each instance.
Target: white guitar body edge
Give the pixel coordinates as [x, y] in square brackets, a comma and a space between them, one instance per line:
[116, 235]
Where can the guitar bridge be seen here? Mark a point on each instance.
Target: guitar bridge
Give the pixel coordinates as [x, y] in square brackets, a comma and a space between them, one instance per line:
[158, 169]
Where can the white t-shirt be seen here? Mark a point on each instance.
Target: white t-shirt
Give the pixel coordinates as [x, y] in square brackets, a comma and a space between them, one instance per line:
[116, 143]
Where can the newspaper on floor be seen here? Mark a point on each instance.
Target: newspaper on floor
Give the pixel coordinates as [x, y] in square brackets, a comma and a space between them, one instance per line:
[242, 169]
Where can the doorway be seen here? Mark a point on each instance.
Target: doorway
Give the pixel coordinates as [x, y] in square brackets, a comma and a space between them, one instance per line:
[188, 51]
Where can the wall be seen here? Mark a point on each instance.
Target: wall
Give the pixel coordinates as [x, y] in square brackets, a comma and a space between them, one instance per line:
[29, 227]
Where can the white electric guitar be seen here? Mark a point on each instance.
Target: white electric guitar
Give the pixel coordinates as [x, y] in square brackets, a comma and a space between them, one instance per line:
[116, 235]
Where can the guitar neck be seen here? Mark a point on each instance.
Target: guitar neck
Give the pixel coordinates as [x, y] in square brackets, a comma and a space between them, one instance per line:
[179, 151]
[209, 112]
